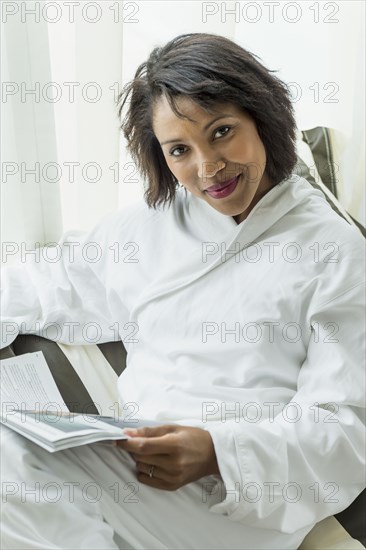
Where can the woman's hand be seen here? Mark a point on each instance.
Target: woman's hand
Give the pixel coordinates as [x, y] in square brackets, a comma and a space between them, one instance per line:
[178, 454]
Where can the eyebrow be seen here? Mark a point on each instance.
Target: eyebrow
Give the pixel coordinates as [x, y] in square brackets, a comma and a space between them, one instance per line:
[177, 140]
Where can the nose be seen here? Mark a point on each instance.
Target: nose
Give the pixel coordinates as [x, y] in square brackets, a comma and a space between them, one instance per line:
[208, 169]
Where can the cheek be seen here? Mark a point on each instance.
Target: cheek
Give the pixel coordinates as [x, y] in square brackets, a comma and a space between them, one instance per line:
[249, 149]
[172, 168]
[263, 161]
[261, 152]
[258, 154]
[254, 157]
[179, 170]
[261, 157]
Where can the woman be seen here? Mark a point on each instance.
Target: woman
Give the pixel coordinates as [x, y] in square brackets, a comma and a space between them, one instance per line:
[245, 290]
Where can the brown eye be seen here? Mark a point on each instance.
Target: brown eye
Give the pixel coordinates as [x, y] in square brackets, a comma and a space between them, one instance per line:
[222, 131]
[177, 151]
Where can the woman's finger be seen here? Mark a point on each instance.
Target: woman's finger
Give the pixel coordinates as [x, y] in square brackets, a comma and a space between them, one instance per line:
[164, 461]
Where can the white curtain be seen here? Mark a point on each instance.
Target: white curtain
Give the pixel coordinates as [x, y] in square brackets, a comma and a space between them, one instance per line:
[30, 206]
[76, 56]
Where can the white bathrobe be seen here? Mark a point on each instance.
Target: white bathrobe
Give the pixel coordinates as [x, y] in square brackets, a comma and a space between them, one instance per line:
[251, 331]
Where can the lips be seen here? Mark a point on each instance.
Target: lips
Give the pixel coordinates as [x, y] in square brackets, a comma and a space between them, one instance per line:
[219, 186]
[223, 190]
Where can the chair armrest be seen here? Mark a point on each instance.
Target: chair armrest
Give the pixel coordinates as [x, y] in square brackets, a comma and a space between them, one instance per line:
[329, 535]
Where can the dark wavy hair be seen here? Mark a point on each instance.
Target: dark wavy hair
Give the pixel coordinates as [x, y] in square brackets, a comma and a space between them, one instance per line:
[208, 69]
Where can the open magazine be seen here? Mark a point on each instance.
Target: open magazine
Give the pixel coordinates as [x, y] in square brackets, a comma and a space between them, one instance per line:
[32, 405]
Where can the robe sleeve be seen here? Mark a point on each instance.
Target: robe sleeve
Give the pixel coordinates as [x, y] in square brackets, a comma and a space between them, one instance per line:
[60, 294]
[307, 460]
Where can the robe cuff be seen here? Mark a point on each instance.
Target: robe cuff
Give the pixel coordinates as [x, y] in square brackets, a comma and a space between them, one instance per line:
[233, 465]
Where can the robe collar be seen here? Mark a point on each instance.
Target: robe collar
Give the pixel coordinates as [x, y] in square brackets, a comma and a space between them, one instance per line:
[210, 226]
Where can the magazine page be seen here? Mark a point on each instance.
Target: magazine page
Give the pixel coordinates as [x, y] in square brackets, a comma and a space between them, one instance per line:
[27, 384]
[60, 426]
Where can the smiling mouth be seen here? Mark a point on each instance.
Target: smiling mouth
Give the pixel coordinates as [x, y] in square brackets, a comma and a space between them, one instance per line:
[223, 190]
[220, 186]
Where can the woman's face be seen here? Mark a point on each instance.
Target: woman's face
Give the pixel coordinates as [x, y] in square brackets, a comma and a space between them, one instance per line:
[218, 156]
